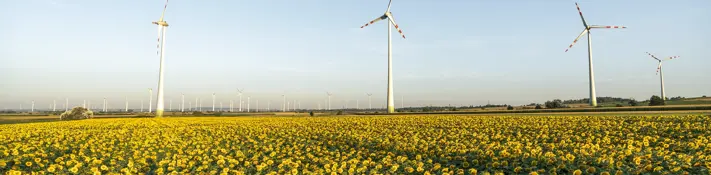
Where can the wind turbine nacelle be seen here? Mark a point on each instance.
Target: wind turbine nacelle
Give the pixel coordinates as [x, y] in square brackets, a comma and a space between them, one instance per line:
[161, 23]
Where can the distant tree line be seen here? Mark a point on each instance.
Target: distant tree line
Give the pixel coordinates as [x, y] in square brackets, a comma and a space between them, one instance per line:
[599, 100]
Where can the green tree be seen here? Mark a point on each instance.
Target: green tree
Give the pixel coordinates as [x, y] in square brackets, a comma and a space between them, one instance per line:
[510, 107]
[632, 102]
[538, 106]
[311, 113]
[656, 101]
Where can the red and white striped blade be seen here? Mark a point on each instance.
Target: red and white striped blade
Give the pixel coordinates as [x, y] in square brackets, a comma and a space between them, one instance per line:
[659, 67]
[608, 27]
[392, 20]
[672, 57]
[159, 35]
[581, 15]
[576, 39]
[655, 57]
[375, 20]
[164, 7]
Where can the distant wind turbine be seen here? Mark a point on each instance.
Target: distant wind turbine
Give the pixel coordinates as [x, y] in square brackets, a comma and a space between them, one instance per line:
[66, 104]
[283, 104]
[33, 106]
[213, 102]
[369, 104]
[150, 100]
[659, 71]
[182, 103]
[239, 92]
[593, 98]
[389, 16]
[162, 28]
[248, 97]
[329, 100]
[126, 109]
[54, 105]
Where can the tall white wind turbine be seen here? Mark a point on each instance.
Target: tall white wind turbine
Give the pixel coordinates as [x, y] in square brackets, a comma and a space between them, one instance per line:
[213, 102]
[162, 27]
[33, 106]
[126, 108]
[54, 105]
[182, 103]
[593, 98]
[389, 16]
[659, 71]
[283, 104]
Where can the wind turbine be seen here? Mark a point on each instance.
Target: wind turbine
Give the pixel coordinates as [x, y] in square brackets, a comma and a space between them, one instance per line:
[182, 103]
[389, 16]
[283, 104]
[33, 106]
[126, 109]
[213, 102]
[66, 104]
[150, 100]
[248, 97]
[329, 100]
[239, 92]
[593, 98]
[54, 105]
[162, 27]
[369, 104]
[659, 71]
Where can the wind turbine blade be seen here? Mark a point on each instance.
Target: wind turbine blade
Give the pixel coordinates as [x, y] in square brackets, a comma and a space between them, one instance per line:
[659, 67]
[608, 27]
[581, 15]
[672, 57]
[389, 3]
[392, 20]
[576, 39]
[375, 20]
[655, 57]
[164, 7]
[160, 31]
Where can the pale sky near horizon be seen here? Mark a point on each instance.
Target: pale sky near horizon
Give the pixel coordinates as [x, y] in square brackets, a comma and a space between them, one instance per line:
[457, 52]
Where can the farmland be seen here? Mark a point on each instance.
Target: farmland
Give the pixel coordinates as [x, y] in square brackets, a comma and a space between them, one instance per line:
[422, 144]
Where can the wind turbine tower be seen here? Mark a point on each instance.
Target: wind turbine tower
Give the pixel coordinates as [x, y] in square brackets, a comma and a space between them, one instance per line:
[162, 28]
[659, 71]
[593, 97]
[390, 18]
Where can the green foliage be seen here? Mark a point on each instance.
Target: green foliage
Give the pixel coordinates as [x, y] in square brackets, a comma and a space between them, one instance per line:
[632, 102]
[510, 107]
[656, 101]
[557, 103]
[339, 113]
[538, 106]
[218, 114]
[197, 113]
[618, 105]
[311, 113]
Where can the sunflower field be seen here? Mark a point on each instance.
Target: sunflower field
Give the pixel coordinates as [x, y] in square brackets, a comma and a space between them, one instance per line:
[361, 145]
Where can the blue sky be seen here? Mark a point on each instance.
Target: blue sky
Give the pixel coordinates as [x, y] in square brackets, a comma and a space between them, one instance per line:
[456, 52]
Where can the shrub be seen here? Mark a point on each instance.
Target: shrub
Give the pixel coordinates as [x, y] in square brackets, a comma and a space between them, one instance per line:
[510, 107]
[311, 113]
[656, 101]
[339, 113]
[557, 103]
[197, 113]
[218, 114]
[618, 105]
[632, 103]
[539, 107]
[77, 113]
